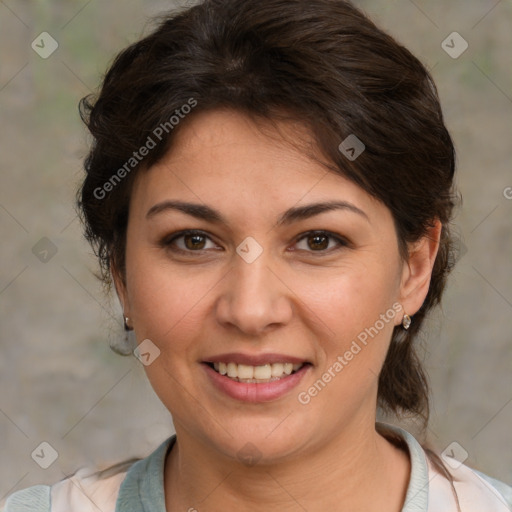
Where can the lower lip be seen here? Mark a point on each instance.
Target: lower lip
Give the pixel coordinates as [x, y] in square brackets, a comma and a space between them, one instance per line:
[252, 392]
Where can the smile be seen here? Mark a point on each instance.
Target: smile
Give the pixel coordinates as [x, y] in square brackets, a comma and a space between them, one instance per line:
[259, 383]
[256, 374]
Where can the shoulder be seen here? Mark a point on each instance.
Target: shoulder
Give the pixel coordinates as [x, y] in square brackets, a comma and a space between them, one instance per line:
[431, 491]
[88, 490]
[36, 497]
[476, 491]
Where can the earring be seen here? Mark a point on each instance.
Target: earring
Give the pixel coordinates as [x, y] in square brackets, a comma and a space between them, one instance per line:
[406, 321]
[123, 347]
[126, 326]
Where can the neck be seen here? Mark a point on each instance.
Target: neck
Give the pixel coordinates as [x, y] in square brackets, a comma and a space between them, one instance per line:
[358, 468]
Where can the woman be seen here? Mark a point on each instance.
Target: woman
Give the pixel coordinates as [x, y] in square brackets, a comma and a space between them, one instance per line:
[270, 190]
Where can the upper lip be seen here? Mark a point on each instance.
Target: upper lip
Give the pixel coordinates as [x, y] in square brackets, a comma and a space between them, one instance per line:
[254, 360]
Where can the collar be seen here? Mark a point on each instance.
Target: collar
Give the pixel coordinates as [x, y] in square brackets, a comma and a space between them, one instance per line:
[142, 490]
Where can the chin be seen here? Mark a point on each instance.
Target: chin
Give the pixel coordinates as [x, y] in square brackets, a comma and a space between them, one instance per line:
[266, 442]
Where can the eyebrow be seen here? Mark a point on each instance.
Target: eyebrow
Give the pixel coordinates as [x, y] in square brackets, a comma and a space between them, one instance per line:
[296, 213]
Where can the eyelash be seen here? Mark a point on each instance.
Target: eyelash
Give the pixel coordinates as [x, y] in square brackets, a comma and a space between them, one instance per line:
[169, 241]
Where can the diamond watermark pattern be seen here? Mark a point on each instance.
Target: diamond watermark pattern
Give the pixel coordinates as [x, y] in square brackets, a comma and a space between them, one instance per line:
[454, 455]
[44, 250]
[352, 147]
[45, 455]
[249, 249]
[454, 45]
[44, 45]
[146, 352]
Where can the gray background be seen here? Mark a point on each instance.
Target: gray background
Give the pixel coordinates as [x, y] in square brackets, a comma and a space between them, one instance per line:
[59, 381]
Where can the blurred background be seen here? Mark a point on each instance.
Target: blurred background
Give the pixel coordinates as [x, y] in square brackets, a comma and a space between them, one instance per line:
[59, 381]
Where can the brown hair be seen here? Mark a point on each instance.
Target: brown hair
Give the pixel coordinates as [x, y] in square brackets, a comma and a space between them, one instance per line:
[322, 63]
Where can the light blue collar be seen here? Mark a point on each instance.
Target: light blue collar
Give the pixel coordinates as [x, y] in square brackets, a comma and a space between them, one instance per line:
[142, 490]
[416, 499]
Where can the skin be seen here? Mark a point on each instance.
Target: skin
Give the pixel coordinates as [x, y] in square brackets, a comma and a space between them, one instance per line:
[300, 298]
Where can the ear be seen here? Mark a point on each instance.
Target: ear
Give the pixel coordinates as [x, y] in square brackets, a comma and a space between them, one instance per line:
[120, 287]
[417, 270]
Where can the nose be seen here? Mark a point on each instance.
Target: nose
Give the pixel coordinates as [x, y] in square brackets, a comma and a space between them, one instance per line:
[254, 296]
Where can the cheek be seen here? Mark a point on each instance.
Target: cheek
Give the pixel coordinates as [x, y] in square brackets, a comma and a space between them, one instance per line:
[167, 301]
[359, 317]
[168, 309]
[352, 299]
[356, 309]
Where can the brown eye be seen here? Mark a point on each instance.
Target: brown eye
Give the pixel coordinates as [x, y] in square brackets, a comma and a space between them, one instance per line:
[318, 241]
[187, 242]
[194, 241]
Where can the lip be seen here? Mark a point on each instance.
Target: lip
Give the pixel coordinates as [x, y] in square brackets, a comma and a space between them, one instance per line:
[254, 360]
[253, 392]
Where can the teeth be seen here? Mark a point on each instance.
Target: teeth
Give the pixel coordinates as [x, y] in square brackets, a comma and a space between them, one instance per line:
[261, 372]
[266, 372]
[232, 370]
[277, 369]
[245, 371]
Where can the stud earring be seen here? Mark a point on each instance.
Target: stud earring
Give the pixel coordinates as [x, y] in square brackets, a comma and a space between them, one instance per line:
[406, 321]
[126, 326]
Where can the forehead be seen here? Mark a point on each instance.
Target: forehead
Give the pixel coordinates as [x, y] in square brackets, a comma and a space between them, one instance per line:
[209, 140]
[225, 158]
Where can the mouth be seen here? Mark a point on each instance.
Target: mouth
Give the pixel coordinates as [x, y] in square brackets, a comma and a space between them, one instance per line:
[261, 374]
[255, 378]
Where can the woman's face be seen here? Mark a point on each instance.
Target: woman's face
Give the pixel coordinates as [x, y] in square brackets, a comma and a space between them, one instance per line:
[258, 287]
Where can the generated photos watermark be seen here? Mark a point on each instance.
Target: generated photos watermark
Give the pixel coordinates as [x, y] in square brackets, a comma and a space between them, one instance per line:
[151, 143]
[304, 397]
